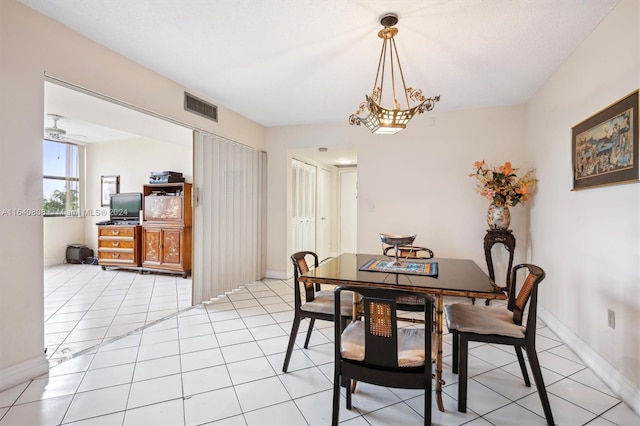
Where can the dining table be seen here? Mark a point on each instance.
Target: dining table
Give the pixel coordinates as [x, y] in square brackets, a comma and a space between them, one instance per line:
[441, 277]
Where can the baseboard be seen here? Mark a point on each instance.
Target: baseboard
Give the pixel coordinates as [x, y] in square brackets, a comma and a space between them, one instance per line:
[51, 261]
[277, 275]
[624, 389]
[24, 371]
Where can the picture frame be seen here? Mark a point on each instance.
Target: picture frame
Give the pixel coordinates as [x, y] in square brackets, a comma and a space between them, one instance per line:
[605, 145]
[108, 185]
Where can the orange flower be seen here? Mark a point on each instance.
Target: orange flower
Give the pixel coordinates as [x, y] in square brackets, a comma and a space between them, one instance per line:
[506, 169]
[524, 189]
[478, 164]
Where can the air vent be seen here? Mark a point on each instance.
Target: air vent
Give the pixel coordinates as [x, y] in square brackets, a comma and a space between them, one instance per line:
[200, 107]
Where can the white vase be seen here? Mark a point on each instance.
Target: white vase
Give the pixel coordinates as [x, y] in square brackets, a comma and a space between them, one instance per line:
[498, 217]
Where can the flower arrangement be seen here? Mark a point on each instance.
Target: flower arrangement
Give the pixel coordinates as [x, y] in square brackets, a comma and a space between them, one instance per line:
[502, 186]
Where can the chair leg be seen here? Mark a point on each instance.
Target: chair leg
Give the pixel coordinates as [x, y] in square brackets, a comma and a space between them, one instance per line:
[537, 376]
[348, 388]
[523, 367]
[335, 415]
[306, 341]
[463, 357]
[455, 337]
[428, 387]
[292, 341]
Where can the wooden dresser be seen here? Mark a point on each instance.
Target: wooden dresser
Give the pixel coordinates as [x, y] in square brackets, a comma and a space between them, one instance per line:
[119, 245]
[166, 228]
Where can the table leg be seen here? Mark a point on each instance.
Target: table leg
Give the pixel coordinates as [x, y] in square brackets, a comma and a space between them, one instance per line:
[439, 381]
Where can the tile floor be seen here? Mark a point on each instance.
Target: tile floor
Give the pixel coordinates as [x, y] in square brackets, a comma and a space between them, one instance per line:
[85, 306]
[220, 363]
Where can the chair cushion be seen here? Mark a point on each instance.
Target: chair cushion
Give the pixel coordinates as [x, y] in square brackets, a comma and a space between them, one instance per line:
[410, 344]
[482, 319]
[323, 303]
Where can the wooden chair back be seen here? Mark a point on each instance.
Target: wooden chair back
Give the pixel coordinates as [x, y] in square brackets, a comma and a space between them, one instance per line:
[300, 266]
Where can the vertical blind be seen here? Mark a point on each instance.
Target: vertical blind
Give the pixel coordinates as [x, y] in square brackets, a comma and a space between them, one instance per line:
[229, 221]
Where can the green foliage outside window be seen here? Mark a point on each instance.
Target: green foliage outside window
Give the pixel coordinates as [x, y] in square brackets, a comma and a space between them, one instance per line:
[56, 205]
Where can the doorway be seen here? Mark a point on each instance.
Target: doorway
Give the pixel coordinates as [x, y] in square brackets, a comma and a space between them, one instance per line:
[348, 211]
[85, 305]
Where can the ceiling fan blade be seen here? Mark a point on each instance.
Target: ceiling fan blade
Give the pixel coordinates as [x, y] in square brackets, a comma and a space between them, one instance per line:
[57, 134]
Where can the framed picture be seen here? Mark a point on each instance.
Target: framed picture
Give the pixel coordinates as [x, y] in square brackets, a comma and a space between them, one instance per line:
[108, 185]
[605, 145]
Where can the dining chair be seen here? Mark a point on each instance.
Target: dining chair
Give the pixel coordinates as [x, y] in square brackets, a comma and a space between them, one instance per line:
[373, 349]
[318, 303]
[406, 302]
[413, 252]
[500, 325]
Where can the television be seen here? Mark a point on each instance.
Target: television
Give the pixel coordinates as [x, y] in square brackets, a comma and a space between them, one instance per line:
[125, 207]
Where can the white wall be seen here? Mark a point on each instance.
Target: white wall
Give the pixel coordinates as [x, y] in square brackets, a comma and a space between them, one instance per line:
[588, 240]
[58, 233]
[417, 180]
[132, 160]
[30, 46]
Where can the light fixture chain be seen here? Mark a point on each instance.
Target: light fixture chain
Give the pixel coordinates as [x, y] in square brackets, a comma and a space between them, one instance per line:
[380, 64]
[404, 86]
[393, 74]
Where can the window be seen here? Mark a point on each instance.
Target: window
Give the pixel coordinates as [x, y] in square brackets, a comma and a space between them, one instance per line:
[61, 178]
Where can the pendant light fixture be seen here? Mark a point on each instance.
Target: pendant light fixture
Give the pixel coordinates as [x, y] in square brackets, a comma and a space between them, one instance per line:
[382, 120]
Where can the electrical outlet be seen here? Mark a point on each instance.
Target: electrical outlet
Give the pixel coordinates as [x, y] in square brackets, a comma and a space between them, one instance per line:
[611, 319]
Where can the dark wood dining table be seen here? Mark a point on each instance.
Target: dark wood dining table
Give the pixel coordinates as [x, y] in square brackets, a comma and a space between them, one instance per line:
[455, 277]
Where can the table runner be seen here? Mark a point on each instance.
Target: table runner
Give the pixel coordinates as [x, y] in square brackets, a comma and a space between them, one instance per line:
[377, 265]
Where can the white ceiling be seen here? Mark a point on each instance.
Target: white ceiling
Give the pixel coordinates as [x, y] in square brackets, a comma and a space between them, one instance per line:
[289, 62]
[88, 119]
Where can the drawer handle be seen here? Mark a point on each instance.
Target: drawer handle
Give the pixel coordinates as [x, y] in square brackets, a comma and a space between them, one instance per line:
[115, 243]
[115, 232]
[115, 255]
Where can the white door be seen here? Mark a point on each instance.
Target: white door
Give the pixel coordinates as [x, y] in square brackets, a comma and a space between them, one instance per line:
[303, 211]
[323, 236]
[348, 211]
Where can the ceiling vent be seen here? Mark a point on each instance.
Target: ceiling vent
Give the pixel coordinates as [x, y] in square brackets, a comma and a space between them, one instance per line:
[200, 107]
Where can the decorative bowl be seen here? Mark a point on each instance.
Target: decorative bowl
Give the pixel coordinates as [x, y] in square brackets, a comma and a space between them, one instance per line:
[397, 240]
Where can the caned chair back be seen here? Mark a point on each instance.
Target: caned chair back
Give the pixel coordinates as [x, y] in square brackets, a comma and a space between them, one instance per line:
[528, 294]
[380, 332]
[409, 252]
[300, 267]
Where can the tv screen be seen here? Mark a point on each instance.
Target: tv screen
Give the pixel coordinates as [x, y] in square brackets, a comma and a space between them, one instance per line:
[126, 206]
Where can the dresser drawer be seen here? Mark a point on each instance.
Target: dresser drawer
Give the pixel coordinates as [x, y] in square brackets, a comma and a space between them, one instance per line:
[107, 231]
[116, 243]
[119, 256]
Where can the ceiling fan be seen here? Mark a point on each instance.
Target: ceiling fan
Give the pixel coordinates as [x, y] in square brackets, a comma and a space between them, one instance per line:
[56, 133]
